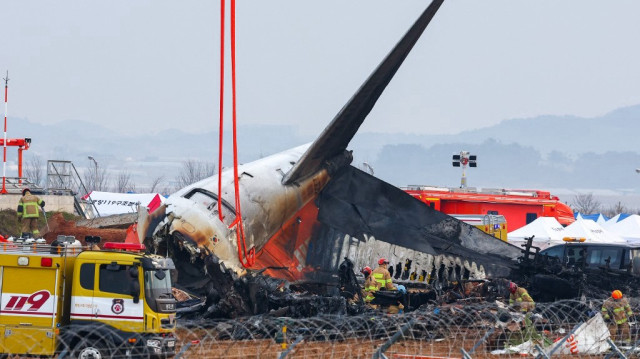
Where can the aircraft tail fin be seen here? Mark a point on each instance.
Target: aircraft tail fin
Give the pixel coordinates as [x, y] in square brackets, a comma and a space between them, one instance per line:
[336, 137]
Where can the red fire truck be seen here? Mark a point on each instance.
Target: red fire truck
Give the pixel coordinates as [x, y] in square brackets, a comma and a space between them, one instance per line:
[519, 207]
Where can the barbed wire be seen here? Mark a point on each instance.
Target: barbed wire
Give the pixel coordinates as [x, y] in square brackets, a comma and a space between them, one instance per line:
[482, 330]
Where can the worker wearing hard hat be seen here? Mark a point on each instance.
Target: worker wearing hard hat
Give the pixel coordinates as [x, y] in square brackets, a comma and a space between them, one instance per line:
[382, 276]
[616, 311]
[28, 213]
[370, 286]
[520, 299]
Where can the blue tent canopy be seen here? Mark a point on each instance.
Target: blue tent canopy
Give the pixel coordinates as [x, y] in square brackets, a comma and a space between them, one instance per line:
[594, 217]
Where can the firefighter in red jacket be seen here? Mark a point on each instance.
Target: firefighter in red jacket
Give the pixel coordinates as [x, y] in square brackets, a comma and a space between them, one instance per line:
[29, 208]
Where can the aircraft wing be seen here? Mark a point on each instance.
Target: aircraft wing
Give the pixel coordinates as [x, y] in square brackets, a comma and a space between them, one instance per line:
[336, 137]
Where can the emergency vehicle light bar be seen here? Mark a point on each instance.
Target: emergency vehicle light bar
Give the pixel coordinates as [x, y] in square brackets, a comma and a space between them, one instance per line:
[574, 239]
[125, 246]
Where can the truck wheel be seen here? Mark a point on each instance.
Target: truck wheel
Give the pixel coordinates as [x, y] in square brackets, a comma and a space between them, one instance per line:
[91, 349]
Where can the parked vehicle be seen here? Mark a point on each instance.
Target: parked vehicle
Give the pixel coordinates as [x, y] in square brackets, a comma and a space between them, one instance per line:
[519, 207]
[66, 298]
[615, 257]
[495, 225]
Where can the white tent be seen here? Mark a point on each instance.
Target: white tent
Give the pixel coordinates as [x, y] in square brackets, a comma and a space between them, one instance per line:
[615, 219]
[591, 231]
[547, 231]
[628, 228]
[599, 218]
[610, 223]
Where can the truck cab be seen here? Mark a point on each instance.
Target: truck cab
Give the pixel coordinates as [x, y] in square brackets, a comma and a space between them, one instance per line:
[87, 303]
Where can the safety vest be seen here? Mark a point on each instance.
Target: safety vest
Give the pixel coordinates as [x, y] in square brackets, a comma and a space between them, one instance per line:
[28, 206]
[619, 308]
[382, 278]
[370, 287]
[522, 299]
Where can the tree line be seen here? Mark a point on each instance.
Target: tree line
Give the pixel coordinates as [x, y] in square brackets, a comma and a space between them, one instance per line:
[587, 203]
[95, 178]
[99, 179]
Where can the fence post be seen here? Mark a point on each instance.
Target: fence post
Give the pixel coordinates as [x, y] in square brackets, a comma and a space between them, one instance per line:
[296, 342]
[185, 348]
[541, 352]
[63, 353]
[383, 348]
[616, 349]
[482, 340]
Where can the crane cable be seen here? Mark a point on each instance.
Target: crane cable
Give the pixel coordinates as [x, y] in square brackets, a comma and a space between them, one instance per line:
[247, 259]
[221, 109]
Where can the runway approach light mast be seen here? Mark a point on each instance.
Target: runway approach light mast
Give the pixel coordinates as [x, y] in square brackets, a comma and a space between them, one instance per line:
[464, 159]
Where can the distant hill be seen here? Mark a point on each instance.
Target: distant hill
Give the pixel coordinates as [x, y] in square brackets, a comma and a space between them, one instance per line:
[615, 131]
[540, 152]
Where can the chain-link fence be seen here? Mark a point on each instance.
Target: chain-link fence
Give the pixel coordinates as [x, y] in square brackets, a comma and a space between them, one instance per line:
[565, 328]
[454, 330]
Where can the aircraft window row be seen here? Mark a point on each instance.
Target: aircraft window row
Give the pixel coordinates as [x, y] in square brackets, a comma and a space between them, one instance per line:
[429, 275]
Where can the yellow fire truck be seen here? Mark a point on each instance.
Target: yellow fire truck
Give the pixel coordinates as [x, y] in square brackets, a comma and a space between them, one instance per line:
[64, 298]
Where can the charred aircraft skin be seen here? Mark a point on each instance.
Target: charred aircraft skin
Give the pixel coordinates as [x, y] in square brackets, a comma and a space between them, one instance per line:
[550, 280]
[192, 212]
[306, 209]
[422, 244]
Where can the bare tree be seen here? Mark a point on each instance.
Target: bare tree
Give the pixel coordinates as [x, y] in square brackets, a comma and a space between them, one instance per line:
[585, 203]
[33, 170]
[155, 184]
[193, 171]
[96, 179]
[615, 209]
[124, 183]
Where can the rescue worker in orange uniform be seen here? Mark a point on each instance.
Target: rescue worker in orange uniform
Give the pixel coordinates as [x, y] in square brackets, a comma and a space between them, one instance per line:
[382, 276]
[616, 311]
[28, 213]
[520, 299]
[369, 285]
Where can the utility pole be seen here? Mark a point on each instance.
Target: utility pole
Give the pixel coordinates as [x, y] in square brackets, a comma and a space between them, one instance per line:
[95, 176]
[462, 160]
[4, 157]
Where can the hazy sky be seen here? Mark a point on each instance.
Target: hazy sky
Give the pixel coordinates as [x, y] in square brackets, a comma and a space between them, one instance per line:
[141, 65]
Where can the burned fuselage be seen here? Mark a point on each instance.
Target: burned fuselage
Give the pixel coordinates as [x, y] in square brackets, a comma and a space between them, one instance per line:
[306, 209]
[303, 232]
[193, 214]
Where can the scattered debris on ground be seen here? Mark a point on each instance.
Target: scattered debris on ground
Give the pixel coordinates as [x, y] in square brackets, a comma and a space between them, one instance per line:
[59, 225]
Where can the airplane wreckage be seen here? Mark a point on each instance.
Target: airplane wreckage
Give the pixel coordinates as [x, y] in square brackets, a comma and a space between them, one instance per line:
[309, 218]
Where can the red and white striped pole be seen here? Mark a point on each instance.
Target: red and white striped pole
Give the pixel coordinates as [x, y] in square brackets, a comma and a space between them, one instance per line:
[4, 157]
